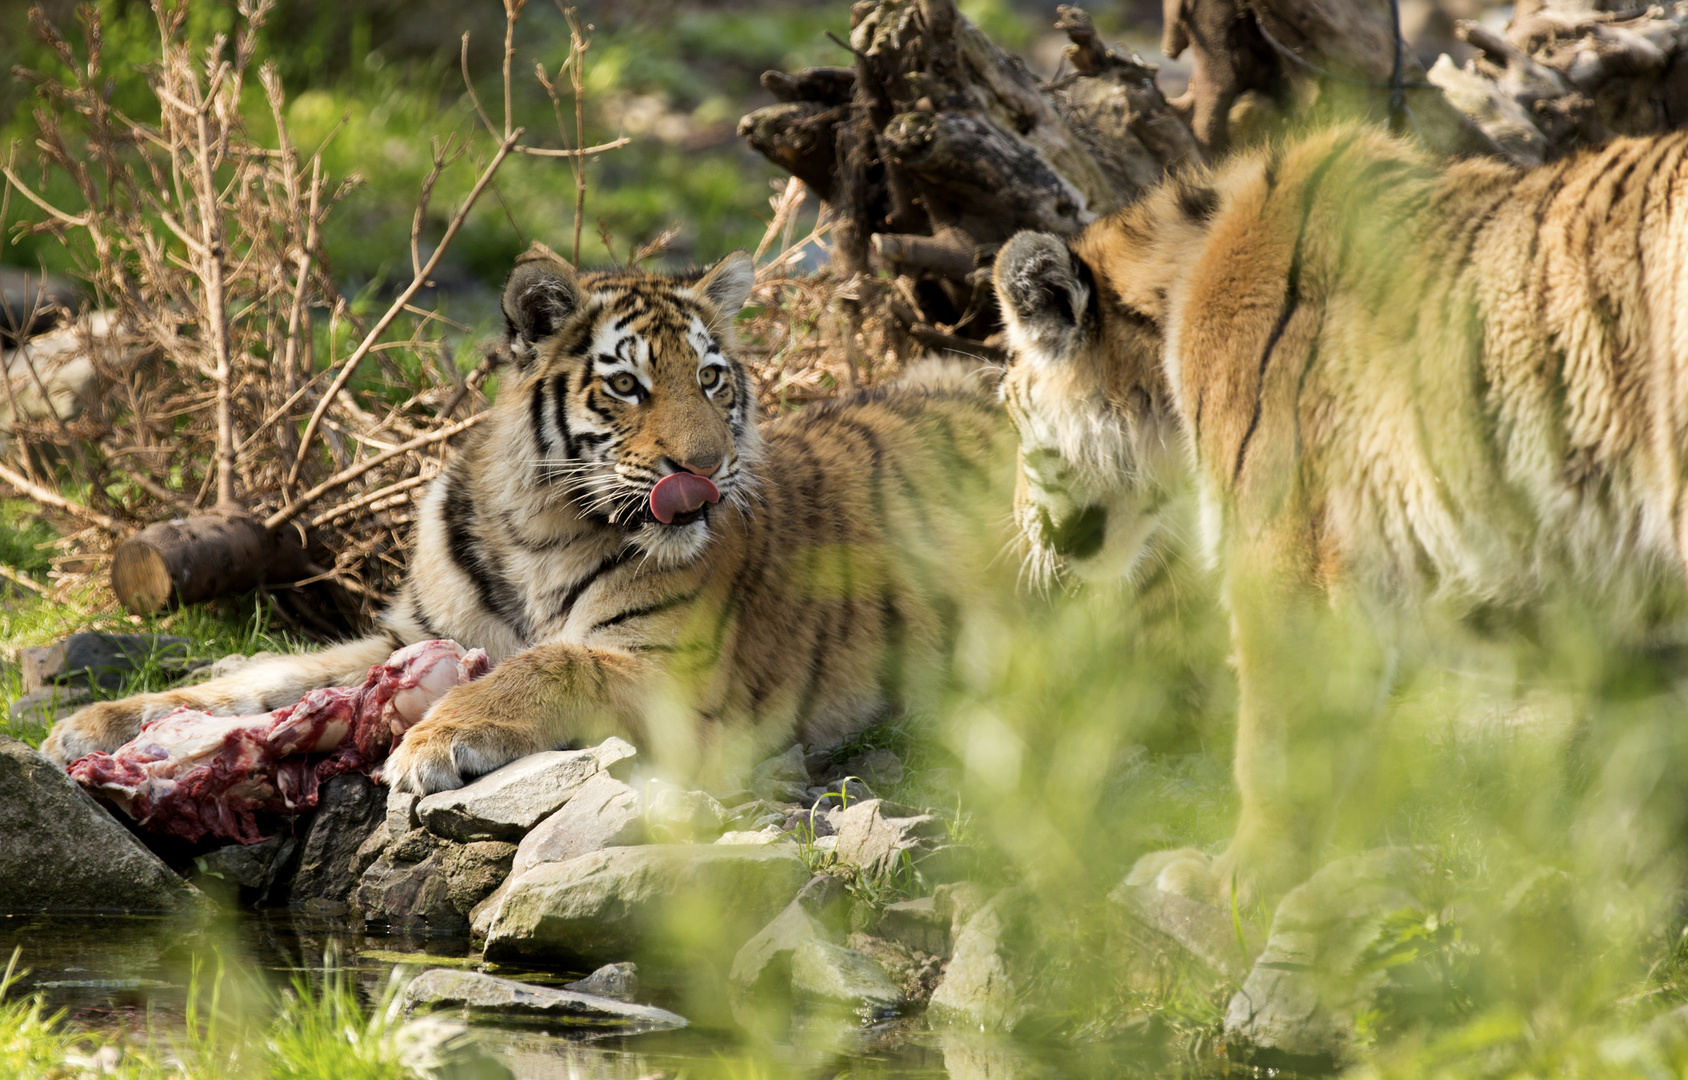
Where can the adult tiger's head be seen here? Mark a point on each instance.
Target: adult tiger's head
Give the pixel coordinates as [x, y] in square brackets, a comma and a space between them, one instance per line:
[1086, 393]
[637, 409]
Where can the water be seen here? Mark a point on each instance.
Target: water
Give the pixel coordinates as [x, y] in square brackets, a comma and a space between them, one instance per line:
[128, 975]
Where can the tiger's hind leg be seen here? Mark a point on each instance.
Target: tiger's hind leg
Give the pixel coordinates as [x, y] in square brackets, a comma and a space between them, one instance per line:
[258, 688]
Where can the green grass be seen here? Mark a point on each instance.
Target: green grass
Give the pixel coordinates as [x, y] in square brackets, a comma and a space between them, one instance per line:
[232, 1028]
[235, 624]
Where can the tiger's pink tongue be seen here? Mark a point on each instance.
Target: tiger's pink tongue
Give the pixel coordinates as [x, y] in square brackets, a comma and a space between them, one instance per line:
[681, 493]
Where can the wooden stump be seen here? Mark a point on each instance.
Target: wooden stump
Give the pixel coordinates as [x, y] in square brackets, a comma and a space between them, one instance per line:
[197, 558]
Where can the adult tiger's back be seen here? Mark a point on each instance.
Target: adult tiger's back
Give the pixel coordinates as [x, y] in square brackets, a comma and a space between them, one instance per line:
[640, 558]
[1416, 387]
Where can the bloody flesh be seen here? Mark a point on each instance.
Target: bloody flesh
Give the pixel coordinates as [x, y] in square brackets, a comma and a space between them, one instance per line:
[191, 774]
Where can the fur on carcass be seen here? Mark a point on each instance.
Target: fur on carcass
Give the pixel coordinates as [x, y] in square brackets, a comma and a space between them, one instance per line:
[191, 774]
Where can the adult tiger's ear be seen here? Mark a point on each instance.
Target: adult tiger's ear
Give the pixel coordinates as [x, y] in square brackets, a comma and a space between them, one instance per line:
[1044, 290]
[539, 296]
[726, 286]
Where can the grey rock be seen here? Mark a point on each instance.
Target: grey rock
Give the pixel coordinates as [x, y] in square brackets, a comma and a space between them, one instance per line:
[917, 925]
[401, 812]
[833, 975]
[507, 803]
[763, 964]
[245, 872]
[818, 764]
[95, 659]
[349, 808]
[479, 994]
[984, 986]
[474, 870]
[440, 1049]
[782, 779]
[31, 303]
[1152, 922]
[1299, 1001]
[407, 887]
[958, 902]
[674, 815]
[605, 812]
[880, 768]
[49, 704]
[626, 900]
[56, 377]
[754, 814]
[619, 981]
[60, 851]
[423, 882]
[874, 834]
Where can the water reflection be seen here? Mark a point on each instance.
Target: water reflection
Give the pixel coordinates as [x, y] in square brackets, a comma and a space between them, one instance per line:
[126, 975]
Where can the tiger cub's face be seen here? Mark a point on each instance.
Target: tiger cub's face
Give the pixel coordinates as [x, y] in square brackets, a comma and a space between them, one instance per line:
[638, 410]
[1082, 389]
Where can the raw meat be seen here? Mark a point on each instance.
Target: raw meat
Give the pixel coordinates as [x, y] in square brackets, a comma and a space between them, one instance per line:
[191, 774]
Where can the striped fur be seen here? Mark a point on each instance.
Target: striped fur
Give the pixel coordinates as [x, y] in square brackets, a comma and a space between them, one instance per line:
[1403, 387]
[821, 588]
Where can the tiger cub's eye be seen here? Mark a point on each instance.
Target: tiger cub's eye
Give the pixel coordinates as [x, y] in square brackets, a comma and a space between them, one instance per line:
[709, 378]
[624, 383]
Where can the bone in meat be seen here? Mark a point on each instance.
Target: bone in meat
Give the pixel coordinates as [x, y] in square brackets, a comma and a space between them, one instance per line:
[191, 774]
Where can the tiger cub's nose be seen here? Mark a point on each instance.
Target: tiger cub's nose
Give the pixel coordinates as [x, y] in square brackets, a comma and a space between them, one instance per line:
[700, 466]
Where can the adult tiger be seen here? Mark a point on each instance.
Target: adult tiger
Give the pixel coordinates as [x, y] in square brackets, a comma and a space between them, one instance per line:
[641, 559]
[1408, 389]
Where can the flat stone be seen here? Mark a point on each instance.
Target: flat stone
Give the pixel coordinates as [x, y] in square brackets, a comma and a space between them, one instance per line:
[61, 852]
[478, 994]
[1298, 1004]
[507, 803]
[96, 659]
[874, 834]
[619, 981]
[605, 812]
[349, 808]
[833, 975]
[771, 834]
[621, 901]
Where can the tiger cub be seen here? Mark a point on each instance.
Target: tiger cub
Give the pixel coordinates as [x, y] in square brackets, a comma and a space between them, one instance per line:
[641, 559]
[1408, 391]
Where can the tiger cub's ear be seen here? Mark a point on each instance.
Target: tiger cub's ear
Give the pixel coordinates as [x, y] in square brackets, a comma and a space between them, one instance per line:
[726, 286]
[540, 295]
[1043, 288]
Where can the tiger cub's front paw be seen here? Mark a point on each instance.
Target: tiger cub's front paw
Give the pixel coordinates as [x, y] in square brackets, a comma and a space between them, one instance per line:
[102, 726]
[465, 734]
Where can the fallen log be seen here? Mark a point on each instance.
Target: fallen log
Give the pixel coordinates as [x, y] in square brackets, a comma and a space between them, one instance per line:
[197, 558]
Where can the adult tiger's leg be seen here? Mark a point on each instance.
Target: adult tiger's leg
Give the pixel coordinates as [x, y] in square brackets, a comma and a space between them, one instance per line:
[257, 688]
[546, 697]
